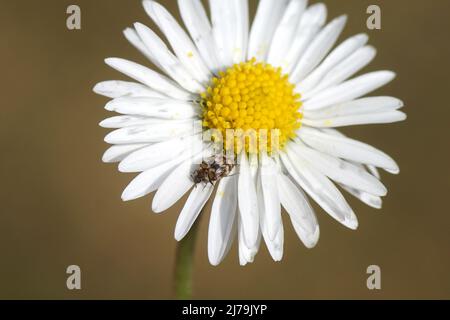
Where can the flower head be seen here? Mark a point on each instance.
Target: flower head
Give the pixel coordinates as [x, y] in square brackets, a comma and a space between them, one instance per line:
[270, 98]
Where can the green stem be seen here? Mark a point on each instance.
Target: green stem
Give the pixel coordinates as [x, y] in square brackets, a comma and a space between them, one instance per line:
[184, 264]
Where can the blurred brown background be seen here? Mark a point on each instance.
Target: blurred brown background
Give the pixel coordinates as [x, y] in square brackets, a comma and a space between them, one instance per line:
[60, 205]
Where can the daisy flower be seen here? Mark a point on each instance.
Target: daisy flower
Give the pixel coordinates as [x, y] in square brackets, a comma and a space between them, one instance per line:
[283, 77]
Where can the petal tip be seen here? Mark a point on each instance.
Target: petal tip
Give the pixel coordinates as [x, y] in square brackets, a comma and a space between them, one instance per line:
[108, 138]
[102, 124]
[178, 235]
[363, 36]
[342, 19]
[127, 31]
[110, 61]
[126, 197]
[214, 263]
[403, 116]
[106, 158]
[352, 224]
[98, 88]
[122, 167]
[156, 208]
[110, 105]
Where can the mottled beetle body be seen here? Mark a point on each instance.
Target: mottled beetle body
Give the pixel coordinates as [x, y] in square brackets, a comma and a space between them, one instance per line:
[212, 170]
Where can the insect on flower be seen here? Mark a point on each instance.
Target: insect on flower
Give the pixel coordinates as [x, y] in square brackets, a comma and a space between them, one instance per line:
[212, 170]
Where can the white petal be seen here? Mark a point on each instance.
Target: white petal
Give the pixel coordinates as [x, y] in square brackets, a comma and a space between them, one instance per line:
[246, 254]
[267, 17]
[176, 184]
[285, 32]
[248, 202]
[349, 90]
[154, 107]
[136, 41]
[159, 153]
[270, 222]
[374, 171]
[150, 133]
[341, 52]
[359, 119]
[241, 246]
[309, 240]
[230, 29]
[179, 41]
[346, 148]
[299, 210]
[119, 152]
[343, 71]
[340, 171]
[320, 188]
[163, 58]
[229, 244]
[295, 203]
[149, 77]
[116, 89]
[197, 23]
[254, 166]
[270, 198]
[275, 245]
[150, 180]
[130, 121]
[318, 49]
[222, 219]
[242, 31]
[367, 198]
[194, 204]
[222, 19]
[356, 107]
[311, 22]
[370, 168]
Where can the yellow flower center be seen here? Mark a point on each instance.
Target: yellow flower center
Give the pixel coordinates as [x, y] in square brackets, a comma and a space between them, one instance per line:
[253, 106]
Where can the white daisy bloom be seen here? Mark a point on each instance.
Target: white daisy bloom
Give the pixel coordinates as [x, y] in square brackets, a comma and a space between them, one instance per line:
[284, 74]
